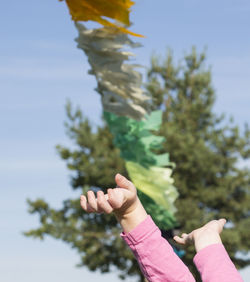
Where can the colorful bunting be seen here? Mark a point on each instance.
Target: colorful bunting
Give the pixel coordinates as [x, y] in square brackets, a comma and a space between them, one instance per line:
[126, 106]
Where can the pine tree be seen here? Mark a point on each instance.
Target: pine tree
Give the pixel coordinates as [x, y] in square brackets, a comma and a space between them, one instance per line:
[205, 147]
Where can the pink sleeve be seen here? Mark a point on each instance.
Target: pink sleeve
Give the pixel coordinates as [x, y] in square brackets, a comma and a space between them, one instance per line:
[155, 255]
[215, 265]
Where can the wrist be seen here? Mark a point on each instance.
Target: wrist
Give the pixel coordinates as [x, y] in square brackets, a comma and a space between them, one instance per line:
[127, 209]
[208, 238]
[132, 216]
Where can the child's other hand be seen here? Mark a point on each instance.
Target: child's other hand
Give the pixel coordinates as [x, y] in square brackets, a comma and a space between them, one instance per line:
[204, 236]
[121, 200]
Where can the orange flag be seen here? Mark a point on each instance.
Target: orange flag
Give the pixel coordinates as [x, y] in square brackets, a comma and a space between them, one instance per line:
[96, 10]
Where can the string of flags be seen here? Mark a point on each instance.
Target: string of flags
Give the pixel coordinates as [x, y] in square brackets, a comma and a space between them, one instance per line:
[126, 106]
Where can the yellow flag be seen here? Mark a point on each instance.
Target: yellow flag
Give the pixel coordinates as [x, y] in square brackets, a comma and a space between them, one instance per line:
[95, 10]
[156, 182]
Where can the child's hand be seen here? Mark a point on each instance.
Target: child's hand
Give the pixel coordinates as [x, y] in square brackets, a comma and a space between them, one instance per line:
[203, 236]
[120, 200]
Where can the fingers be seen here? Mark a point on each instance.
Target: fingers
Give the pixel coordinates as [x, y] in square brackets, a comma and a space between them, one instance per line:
[102, 203]
[92, 200]
[184, 239]
[115, 198]
[221, 222]
[123, 182]
[93, 204]
[83, 202]
[179, 240]
[85, 205]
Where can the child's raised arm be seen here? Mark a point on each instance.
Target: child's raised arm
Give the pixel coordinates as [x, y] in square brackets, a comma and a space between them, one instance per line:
[211, 259]
[154, 254]
[123, 201]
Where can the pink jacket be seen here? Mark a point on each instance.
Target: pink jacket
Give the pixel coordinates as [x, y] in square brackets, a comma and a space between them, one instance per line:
[159, 262]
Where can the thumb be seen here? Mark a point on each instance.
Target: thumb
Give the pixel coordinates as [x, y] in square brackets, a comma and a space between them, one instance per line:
[222, 222]
[123, 182]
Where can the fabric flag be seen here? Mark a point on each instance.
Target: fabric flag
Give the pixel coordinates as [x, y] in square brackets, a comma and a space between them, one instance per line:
[136, 140]
[146, 169]
[155, 182]
[118, 83]
[126, 106]
[96, 10]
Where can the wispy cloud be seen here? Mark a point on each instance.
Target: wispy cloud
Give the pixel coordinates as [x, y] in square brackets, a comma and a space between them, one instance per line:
[31, 165]
[231, 79]
[43, 69]
[242, 6]
[236, 66]
[52, 45]
[66, 46]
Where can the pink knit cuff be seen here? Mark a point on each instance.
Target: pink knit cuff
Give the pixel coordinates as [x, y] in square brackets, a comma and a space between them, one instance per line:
[140, 232]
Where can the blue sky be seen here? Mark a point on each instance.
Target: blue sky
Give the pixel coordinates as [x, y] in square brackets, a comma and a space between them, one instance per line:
[40, 67]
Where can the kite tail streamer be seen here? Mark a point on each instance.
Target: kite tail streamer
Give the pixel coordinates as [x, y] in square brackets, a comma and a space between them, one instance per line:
[126, 106]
